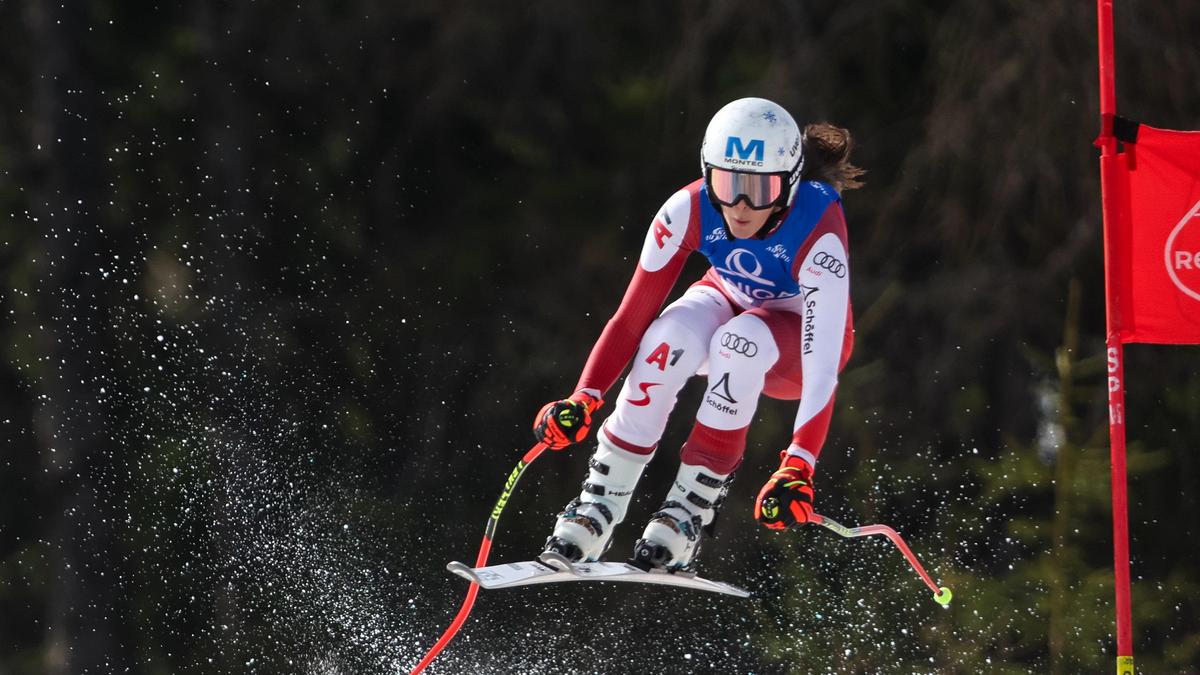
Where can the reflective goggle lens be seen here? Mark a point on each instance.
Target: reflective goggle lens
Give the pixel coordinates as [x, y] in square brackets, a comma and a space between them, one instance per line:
[760, 189]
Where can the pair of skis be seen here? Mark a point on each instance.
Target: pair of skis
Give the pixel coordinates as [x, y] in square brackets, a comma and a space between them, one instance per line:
[553, 568]
[550, 567]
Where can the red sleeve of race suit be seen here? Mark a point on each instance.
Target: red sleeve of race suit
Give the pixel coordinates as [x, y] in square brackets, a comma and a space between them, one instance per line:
[673, 235]
[823, 269]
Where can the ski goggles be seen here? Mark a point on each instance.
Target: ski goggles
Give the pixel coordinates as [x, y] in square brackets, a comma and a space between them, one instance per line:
[760, 190]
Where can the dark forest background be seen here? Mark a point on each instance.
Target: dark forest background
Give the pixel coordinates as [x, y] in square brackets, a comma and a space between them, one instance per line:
[284, 284]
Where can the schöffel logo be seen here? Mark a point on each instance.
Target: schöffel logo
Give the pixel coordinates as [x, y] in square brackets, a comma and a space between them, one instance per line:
[721, 389]
[828, 262]
[810, 318]
[1182, 254]
[750, 154]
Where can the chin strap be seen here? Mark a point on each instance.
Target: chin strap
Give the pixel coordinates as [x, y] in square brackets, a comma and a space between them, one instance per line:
[772, 220]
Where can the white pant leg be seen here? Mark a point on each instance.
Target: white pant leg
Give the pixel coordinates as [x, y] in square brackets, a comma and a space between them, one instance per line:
[741, 352]
[673, 348]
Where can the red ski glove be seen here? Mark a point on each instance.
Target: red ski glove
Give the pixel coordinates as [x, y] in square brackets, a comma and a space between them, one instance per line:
[561, 423]
[787, 498]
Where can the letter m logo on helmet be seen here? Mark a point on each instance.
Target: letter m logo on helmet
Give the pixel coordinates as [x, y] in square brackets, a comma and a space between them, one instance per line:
[735, 145]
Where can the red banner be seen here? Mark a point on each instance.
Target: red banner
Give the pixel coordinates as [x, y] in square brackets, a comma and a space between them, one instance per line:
[1155, 260]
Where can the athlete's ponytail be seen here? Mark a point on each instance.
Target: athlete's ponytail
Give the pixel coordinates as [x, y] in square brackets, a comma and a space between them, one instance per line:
[827, 157]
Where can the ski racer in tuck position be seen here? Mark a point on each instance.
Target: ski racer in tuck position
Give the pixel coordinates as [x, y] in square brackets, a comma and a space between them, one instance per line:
[772, 316]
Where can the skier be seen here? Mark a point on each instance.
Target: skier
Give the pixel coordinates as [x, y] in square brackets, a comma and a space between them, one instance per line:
[772, 316]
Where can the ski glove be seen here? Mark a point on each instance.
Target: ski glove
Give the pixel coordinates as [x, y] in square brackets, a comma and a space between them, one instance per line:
[787, 497]
[561, 423]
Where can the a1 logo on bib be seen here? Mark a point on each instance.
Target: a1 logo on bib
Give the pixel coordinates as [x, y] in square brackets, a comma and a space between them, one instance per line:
[1182, 254]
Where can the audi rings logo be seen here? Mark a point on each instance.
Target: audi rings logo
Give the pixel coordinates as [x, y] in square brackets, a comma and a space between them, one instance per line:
[739, 344]
[826, 261]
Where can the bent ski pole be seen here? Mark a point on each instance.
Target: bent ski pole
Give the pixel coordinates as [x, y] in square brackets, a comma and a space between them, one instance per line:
[941, 595]
[481, 559]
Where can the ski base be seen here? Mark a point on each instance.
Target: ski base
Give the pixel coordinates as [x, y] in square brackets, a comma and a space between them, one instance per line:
[553, 568]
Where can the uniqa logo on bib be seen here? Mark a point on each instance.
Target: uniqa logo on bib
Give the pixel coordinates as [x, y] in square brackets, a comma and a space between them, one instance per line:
[742, 264]
[736, 266]
[1182, 253]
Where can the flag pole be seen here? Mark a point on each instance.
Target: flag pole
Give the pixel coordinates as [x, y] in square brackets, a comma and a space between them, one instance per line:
[1115, 349]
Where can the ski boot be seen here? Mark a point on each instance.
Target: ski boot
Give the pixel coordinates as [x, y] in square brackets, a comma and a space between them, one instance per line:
[671, 539]
[583, 531]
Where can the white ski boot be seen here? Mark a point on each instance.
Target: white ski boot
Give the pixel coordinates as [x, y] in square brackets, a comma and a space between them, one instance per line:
[583, 531]
[672, 537]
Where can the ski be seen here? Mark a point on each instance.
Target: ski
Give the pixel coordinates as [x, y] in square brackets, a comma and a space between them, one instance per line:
[553, 568]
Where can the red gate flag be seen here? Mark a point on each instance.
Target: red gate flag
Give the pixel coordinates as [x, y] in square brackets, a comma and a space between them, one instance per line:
[1155, 260]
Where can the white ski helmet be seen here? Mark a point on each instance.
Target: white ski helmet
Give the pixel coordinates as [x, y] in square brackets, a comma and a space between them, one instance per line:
[746, 138]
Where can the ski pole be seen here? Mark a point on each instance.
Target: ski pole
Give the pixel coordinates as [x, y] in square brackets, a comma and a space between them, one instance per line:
[481, 559]
[941, 595]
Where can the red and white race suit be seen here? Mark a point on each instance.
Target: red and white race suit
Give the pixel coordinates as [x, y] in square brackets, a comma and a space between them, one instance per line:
[772, 316]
